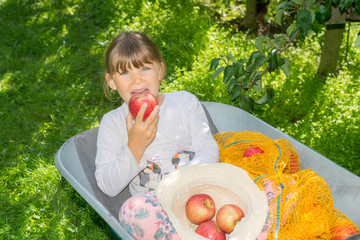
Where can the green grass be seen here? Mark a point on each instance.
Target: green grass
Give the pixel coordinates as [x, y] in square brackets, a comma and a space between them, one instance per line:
[51, 72]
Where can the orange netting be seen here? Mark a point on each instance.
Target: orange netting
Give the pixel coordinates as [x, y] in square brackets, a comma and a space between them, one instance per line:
[300, 201]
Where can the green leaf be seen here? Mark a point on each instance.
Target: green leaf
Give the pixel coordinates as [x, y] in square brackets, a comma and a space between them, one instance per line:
[357, 8]
[235, 93]
[298, 2]
[273, 60]
[291, 29]
[278, 16]
[283, 5]
[228, 73]
[236, 69]
[281, 8]
[357, 41]
[267, 97]
[344, 5]
[246, 102]
[304, 21]
[258, 85]
[252, 57]
[241, 79]
[324, 12]
[259, 42]
[256, 76]
[309, 4]
[250, 103]
[286, 67]
[242, 71]
[256, 59]
[231, 57]
[245, 82]
[231, 84]
[216, 73]
[279, 43]
[242, 101]
[269, 45]
[214, 63]
[312, 12]
[279, 40]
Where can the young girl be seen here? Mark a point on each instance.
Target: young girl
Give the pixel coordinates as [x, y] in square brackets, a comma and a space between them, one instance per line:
[138, 153]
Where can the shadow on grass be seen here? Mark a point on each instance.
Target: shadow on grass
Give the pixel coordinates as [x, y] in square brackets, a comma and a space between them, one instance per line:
[47, 68]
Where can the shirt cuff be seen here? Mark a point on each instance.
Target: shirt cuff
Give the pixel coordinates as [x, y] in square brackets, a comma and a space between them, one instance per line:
[141, 165]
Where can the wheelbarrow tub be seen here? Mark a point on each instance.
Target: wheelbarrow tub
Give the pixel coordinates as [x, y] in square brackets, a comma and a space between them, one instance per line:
[75, 161]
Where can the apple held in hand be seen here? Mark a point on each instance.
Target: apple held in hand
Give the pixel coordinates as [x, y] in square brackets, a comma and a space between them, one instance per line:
[136, 101]
[249, 152]
[210, 230]
[228, 216]
[200, 208]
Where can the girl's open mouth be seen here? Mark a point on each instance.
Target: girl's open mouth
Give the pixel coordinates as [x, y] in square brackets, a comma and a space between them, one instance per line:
[140, 92]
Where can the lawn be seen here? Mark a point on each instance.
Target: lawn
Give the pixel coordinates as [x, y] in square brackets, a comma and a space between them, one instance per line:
[51, 73]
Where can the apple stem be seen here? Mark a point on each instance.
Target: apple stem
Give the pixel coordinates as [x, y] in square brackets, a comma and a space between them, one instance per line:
[207, 202]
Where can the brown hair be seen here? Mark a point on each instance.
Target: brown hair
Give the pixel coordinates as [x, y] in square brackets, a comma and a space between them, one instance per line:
[131, 49]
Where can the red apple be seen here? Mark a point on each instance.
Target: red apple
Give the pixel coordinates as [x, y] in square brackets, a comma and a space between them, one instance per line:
[249, 152]
[294, 164]
[343, 230]
[228, 216]
[200, 208]
[137, 100]
[210, 230]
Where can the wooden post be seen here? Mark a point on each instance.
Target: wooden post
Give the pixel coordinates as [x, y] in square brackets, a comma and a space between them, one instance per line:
[331, 49]
[250, 14]
[335, 28]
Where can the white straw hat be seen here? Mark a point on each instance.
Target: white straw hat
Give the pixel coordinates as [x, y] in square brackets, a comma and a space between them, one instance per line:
[225, 183]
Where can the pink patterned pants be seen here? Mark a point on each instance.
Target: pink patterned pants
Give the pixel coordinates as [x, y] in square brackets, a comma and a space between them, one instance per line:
[144, 218]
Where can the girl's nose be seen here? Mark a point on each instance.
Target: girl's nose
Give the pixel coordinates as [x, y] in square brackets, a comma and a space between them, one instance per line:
[136, 76]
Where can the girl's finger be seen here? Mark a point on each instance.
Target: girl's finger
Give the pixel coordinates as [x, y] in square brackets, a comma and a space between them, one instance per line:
[140, 115]
[153, 115]
[129, 121]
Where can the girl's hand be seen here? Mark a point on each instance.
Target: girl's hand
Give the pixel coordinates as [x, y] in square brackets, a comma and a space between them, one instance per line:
[141, 133]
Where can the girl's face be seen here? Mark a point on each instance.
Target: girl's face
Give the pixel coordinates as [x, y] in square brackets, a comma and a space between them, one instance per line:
[136, 80]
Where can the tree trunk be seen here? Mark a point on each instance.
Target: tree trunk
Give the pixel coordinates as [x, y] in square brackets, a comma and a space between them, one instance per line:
[331, 49]
[250, 14]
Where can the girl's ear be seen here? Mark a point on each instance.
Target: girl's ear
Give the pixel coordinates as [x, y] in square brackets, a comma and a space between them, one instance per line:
[110, 82]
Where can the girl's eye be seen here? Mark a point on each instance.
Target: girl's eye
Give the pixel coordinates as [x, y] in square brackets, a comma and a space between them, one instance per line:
[145, 68]
[124, 73]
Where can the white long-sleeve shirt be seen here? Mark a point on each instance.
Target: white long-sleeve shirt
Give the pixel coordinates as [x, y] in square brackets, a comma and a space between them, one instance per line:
[183, 138]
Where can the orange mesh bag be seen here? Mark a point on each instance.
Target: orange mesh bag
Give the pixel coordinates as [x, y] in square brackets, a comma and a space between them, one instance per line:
[257, 153]
[300, 202]
[301, 206]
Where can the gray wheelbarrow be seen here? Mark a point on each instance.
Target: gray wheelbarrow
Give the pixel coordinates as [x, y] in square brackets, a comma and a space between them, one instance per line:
[75, 160]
